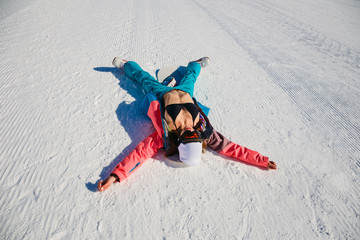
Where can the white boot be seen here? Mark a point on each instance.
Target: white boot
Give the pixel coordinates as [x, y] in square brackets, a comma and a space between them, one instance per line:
[119, 63]
[204, 61]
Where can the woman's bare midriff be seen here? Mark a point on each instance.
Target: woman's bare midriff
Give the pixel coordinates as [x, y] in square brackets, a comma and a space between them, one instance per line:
[177, 96]
[184, 119]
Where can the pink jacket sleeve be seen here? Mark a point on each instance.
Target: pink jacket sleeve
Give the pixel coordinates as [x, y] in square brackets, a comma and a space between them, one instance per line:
[146, 148]
[143, 151]
[224, 146]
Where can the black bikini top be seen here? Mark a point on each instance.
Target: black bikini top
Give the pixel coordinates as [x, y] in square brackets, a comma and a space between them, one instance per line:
[174, 109]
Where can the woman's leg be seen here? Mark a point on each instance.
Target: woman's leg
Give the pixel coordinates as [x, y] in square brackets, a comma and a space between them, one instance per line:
[148, 82]
[187, 82]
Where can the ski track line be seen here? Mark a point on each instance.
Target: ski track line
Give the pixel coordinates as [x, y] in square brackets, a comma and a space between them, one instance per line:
[163, 41]
[14, 127]
[297, 29]
[24, 123]
[341, 124]
[124, 39]
[174, 38]
[155, 37]
[24, 130]
[9, 168]
[218, 115]
[20, 125]
[8, 90]
[8, 197]
[355, 131]
[344, 226]
[140, 31]
[123, 25]
[6, 127]
[7, 101]
[179, 39]
[5, 86]
[47, 221]
[149, 34]
[319, 41]
[312, 37]
[149, 43]
[151, 37]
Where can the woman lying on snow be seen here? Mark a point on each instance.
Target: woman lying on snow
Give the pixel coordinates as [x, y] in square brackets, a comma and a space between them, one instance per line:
[180, 122]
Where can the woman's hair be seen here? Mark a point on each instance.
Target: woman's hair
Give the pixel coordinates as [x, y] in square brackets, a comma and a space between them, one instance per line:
[173, 137]
[172, 146]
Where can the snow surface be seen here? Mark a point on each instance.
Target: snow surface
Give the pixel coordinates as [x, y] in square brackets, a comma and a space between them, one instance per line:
[284, 80]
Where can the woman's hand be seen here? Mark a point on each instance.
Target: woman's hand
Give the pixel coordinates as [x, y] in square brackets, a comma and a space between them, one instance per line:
[103, 185]
[271, 165]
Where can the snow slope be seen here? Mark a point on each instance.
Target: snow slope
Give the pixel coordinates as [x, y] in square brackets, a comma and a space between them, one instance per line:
[284, 80]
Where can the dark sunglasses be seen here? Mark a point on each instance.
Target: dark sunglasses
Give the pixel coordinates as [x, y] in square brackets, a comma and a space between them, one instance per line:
[190, 136]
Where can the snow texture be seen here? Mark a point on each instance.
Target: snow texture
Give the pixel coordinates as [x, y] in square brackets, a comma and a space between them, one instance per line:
[284, 80]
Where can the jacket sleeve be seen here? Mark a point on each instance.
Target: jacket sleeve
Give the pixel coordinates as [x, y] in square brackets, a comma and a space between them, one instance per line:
[224, 146]
[143, 151]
